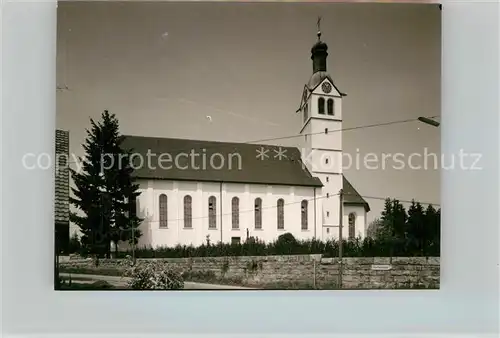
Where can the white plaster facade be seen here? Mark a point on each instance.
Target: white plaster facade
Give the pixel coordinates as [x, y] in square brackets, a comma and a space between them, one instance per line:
[176, 231]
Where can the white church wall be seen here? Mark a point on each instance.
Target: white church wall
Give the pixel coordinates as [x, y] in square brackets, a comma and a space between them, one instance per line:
[360, 224]
[332, 139]
[176, 233]
[325, 161]
[245, 206]
[331, 232]
[332, 183]
[337, 106]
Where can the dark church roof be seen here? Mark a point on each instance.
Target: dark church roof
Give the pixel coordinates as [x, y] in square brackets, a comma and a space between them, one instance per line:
[352, 197]
[241, 163]
[62, 178]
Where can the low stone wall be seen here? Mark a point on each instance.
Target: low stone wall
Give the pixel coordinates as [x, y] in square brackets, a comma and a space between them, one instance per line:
[299, 271]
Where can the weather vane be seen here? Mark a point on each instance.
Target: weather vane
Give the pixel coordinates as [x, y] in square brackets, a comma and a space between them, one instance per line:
[318, 23]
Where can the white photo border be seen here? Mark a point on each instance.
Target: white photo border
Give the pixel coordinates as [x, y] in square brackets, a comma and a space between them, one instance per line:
[467, 303]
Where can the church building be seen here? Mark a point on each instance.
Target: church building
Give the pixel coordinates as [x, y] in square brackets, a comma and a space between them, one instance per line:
[194, 190]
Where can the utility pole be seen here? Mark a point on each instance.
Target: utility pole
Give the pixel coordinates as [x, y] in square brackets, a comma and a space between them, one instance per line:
[341, 219]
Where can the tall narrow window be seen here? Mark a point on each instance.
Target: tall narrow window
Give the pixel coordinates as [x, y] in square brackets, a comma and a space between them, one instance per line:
[281, 214]
[163, 210]
[235, 212]
[329, 107]
[303, 211]
[321, 106]
[188, 212]
[212, 212]
[352, 225]
[258, 213]
[306, 113]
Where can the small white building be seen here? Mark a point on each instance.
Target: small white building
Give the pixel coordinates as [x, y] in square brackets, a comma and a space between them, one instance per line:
[192, 190]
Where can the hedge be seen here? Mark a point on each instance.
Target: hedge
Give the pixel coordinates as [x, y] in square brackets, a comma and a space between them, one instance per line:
[286, 246]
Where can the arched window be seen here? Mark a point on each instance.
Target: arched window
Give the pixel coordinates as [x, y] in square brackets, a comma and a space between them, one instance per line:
[212, 212]
[329, 105]
[188, 212]
[281, 214]
[235, 212]
[303, 210]
[321, 105]
[163, 210]
[258, 213]
[352, 225]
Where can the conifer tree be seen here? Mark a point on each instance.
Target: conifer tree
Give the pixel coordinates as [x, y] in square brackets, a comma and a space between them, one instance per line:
[393, 232]
[105, 190]
[417, 231]
[433, 224]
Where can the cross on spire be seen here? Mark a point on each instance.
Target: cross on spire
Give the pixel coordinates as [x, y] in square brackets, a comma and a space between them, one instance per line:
[318, 23]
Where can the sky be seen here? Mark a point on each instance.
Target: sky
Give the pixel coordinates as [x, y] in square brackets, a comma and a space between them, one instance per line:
[162, 67]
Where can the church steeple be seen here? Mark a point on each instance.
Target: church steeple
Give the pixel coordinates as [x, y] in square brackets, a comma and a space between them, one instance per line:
[319, 52]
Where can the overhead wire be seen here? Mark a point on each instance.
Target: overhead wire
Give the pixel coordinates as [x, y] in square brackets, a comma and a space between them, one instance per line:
[275, 206]
[220, 145]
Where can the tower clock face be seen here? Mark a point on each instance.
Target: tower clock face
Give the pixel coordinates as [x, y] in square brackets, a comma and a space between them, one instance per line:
[326, 87]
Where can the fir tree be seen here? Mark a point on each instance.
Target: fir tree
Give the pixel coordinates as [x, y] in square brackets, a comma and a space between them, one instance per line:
[393, 232]
[433, 224]
[105, 191]
[417, 231]
[384, 231]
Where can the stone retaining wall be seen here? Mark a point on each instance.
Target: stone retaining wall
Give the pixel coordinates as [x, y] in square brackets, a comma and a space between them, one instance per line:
[301, 271]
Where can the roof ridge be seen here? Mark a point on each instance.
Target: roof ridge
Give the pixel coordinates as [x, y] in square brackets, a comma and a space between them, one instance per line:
[208, 141]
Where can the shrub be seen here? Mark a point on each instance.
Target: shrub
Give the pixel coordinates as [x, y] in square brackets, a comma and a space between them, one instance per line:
[286, 244]
[154, 275]
[286, 239]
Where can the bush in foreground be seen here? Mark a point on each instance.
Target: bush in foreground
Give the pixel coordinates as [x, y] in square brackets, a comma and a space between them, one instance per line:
[155, 275]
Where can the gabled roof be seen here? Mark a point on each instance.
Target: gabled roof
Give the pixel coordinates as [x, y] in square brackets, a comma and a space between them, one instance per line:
[241, 162]
[61, 212]
[352, 197]
[313, 83]
[318, 78]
